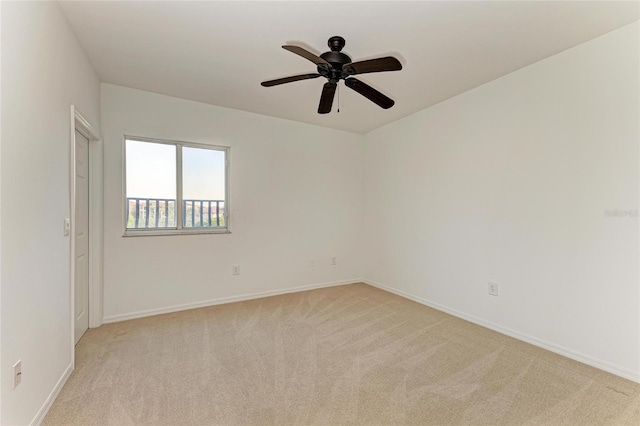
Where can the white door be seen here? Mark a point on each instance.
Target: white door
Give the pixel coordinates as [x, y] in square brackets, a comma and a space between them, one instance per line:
[81, 236]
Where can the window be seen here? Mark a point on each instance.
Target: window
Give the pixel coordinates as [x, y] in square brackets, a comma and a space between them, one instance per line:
[175, 187]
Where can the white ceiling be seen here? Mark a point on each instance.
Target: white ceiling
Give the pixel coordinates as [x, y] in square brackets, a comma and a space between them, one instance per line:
[219, 52]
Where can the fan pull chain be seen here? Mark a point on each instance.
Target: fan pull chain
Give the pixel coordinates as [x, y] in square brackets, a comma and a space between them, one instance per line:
[338, 99]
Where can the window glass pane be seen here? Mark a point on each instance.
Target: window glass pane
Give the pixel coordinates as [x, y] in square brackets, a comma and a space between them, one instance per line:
[151, 185]
[203, 187]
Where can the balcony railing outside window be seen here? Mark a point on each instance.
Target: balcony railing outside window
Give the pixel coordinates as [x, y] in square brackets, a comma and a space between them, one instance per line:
[202, 213]
[152, 213]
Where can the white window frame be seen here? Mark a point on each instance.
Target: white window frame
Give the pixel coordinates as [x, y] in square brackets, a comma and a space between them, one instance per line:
[179, 229]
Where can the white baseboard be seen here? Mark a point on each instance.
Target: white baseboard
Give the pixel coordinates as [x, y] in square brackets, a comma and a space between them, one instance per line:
[576, 356]
[37, 420]
[223, 300]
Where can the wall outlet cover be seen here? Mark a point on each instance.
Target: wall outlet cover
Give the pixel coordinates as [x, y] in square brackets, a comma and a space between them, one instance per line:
[493, 288]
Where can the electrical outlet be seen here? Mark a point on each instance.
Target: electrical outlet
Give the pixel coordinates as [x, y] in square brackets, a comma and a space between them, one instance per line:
[235, 270]
[493, 288]
[334, 261]
[17, 374]
[312, 263]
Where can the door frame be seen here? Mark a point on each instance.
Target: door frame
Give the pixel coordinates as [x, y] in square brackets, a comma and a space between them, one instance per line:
[84, 127]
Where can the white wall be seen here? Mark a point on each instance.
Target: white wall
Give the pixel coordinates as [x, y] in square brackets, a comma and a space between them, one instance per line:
[44, 71]
[0, 211]
[296, 194]
[510, 182]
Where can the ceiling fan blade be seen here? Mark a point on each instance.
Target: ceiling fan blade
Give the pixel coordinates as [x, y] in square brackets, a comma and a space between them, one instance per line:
[288, 79]
[369, 92]
[388, 63]
[326, 99]
[305, 54]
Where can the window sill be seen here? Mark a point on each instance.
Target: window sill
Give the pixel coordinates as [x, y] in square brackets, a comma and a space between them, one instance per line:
[165, 232]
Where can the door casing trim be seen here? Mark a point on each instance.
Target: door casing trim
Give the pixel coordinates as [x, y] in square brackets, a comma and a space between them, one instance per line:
[84, 127]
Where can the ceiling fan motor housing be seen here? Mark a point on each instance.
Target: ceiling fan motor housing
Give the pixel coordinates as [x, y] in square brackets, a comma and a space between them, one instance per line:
[336, 58]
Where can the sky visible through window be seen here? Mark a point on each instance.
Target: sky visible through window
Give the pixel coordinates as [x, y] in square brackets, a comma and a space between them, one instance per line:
[151, 172]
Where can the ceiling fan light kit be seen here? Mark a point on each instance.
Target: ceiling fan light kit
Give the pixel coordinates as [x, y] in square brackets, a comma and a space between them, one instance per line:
[335, 66]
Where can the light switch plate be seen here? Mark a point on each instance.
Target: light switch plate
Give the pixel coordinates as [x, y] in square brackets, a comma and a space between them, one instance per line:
[17, 374]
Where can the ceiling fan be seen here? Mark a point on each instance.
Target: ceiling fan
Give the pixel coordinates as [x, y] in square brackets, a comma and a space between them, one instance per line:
[335, 66]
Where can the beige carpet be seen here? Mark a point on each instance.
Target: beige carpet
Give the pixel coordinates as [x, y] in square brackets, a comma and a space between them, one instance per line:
[343, 355]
